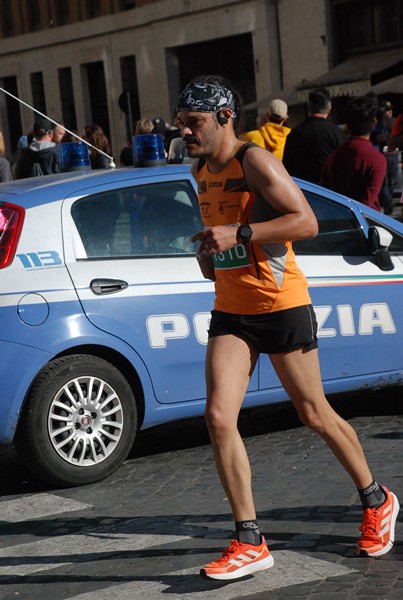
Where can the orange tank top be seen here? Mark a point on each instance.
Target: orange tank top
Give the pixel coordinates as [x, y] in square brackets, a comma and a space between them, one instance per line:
[256, 278]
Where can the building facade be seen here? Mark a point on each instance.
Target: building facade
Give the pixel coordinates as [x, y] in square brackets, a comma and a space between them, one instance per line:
[110, 62]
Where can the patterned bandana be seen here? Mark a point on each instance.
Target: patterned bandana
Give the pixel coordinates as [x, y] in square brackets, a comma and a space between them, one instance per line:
[205, 97]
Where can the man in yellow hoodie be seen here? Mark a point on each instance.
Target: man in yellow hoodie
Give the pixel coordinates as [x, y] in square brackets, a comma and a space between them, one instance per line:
[272, 134]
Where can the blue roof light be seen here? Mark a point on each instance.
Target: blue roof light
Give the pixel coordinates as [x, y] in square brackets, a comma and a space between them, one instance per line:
[74, 156]
[148, 150]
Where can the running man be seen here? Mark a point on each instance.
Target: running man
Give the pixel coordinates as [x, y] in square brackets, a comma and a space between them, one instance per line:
[252, 211]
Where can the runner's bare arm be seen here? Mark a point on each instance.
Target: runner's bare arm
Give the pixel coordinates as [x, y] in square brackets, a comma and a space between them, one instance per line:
[268, 179]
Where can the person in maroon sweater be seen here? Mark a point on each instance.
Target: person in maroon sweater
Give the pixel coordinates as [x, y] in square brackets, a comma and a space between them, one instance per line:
[356, 169]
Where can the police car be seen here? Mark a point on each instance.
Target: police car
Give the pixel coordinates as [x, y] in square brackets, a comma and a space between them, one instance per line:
[104, 312]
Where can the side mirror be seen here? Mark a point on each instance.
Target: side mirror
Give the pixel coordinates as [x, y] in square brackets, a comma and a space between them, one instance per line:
[379, 240]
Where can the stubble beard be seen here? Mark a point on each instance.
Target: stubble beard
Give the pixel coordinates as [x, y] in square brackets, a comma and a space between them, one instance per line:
[202, 148]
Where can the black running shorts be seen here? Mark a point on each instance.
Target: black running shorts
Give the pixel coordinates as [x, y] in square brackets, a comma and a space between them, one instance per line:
[270, 333]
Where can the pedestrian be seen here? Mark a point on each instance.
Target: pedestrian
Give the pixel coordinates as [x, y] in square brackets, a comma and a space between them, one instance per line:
[126, 155]
[144, 126]
[5, 168]
[169, 132]
[387, 107]
[58, 131]
[251, 209]
[396, 136]
[356, 168]
[70, 136]
[309, 144]
[22, 145]
[94, 135]
[379, 137]
[272, 132]
[40, 158]
[397, 128]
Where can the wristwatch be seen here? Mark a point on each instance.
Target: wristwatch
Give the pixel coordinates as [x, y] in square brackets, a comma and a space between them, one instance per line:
[244, 234]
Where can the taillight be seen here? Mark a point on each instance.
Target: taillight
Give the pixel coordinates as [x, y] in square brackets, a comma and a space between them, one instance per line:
[11, 220]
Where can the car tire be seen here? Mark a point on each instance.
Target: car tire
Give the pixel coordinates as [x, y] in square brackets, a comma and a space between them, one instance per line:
[79, 422]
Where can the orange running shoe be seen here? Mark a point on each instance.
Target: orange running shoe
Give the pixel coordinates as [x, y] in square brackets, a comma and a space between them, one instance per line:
[239, 560]
[378, 527]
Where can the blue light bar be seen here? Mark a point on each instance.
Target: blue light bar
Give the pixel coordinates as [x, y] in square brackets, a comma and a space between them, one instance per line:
[74, 157]
[148, 150]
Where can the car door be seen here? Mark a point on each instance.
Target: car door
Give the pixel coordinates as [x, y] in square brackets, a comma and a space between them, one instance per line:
[130, 256]
[357, 304]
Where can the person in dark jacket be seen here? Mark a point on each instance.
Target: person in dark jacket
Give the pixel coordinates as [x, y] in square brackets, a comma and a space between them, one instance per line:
[309, 144]
[41, 157]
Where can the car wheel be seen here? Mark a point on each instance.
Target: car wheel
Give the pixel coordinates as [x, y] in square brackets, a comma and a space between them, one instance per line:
[79, 421]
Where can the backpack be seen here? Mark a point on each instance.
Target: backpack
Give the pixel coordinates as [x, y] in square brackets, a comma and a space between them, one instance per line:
[36, 170]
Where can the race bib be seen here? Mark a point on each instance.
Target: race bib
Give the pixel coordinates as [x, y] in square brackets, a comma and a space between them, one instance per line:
[233, 258]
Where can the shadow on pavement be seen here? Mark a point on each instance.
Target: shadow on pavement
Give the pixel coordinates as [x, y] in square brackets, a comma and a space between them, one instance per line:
[191, 433]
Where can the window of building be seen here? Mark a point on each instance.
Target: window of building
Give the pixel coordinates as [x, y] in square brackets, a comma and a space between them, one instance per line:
[95, 95]
[13, 130]
[232, 58]
[127, 4]
[94, 8]
[129, 100]
[62, 8]
[6, 19]
[34, 15]
[67, 97]
[366, 24]
[38, 91]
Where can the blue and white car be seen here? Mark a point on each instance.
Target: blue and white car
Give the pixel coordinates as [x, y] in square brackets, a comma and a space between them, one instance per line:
[104, 312]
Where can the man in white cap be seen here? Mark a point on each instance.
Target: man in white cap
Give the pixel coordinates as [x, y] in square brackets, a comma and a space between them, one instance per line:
[272, 133]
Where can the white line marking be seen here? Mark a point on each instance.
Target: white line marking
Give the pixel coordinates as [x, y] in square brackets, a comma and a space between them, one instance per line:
[36, 506]
[290, 568]
[25, 559]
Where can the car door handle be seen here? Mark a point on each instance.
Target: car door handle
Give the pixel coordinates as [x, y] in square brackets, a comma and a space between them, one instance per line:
[108, 286]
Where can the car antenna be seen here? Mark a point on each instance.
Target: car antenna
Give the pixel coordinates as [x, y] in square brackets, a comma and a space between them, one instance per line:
[112, 163]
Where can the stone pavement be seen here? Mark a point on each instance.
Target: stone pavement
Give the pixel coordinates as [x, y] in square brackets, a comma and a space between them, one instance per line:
[145, 531]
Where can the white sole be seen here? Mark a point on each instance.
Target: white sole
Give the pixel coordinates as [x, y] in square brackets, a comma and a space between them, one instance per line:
[261, 565]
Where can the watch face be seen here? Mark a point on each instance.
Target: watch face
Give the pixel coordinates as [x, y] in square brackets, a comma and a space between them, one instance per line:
[245, 231]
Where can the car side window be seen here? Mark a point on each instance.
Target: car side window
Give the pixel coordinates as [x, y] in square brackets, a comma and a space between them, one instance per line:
[339, 231]
[144, 220]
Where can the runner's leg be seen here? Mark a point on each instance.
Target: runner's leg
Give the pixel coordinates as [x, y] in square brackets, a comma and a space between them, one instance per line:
[229, 364]
[299, 373]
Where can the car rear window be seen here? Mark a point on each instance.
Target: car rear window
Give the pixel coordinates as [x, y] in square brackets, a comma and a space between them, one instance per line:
[144, 220]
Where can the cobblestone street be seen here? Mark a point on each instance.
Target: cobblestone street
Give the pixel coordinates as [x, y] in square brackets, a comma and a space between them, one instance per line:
[145, 531]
